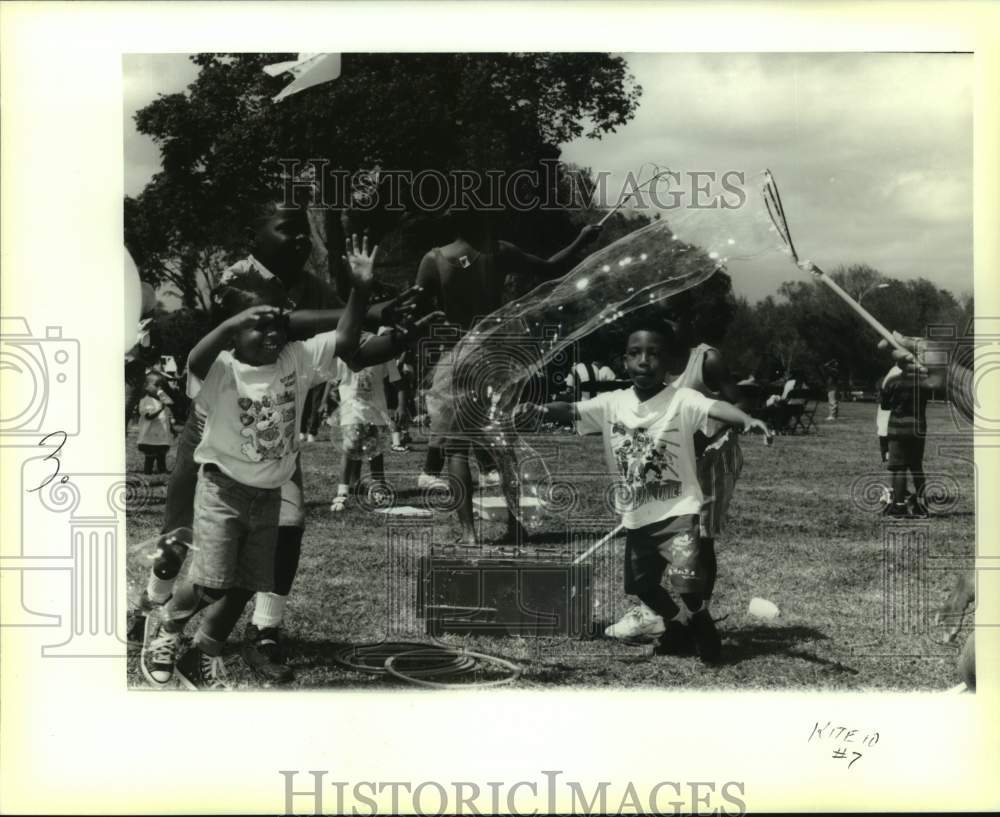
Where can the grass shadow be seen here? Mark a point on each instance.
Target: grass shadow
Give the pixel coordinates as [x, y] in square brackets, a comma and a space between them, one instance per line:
[757, 641]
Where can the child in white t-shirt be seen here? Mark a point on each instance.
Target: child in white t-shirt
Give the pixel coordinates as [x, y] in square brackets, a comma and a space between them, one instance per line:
[252, 384]
[648, 434]
[156, 425]
[363, 418]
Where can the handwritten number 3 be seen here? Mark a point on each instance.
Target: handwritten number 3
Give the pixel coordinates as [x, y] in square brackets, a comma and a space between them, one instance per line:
[54, 456]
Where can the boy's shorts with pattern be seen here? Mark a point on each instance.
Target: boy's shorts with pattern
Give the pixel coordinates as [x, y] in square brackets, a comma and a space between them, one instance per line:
[235, 533]
[906, 453]
[671, 545]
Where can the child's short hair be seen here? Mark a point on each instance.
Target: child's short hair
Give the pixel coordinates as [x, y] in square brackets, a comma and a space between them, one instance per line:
[250, 288]
[655, 321]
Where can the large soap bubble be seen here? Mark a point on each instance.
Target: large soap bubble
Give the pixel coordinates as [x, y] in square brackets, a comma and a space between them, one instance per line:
[482, 377]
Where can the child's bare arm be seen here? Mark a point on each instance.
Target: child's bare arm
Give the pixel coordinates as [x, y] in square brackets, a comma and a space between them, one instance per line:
[207, 349]
[559, 411]
[727, 413]
[517, 261]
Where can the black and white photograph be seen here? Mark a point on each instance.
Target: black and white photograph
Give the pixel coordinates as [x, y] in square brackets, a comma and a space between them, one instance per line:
[464, 369]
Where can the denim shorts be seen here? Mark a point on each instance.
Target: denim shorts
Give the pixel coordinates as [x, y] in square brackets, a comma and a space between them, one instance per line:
[235, 533]
[672, 546]
[178, 511]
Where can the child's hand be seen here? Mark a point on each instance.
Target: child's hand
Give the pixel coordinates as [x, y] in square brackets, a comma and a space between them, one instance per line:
[403, 307]
[526, 414]
[253, 317]
[758, 425]
[590, 233]
[362, 263]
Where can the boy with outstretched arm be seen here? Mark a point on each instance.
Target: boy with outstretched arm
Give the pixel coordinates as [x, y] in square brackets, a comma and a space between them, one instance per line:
[648, 433]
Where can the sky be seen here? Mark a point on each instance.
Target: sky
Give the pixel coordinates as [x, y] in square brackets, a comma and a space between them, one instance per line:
[873, 152]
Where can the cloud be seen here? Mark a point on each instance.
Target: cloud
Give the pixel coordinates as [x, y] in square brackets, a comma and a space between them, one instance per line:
[873, 152]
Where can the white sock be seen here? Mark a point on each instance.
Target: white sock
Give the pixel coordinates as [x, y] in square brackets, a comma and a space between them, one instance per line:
[397, 438]
[343, 489]
[159, 590]
[269, 610]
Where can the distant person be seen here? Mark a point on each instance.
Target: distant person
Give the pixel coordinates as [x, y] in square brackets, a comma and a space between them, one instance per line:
[882, 429]
[584, 374]
[957, 378]
[906, 401]
[363, 416]
[466, 279]
[156, 431]
[831, 374]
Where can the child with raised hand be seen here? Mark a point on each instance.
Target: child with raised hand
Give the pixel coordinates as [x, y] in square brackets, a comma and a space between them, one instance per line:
[648, 432]
[156, 430]
[252, 384]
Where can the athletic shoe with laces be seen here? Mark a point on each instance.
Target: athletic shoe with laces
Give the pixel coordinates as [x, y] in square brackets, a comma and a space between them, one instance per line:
[425, 481]
[899, 510]
[400, 449]
[706, 638]
[677, 639]
[339, 504]
[637, 624]
[263, 653]
[159, 655]
[199, 670]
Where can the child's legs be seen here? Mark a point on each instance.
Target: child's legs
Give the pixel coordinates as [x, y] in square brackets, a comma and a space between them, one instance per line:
[680, 546]
[644, 567]
[147, 467]
[220, 620]
[377, 467]
[897, 467]
[161, 460]
[916, 465]
[188, 600]
[291, 527]
[458, 469]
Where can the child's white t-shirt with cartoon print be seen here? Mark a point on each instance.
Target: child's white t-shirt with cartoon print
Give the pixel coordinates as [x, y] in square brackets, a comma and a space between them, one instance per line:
[650, 446]
[362, 393]
[253, 412]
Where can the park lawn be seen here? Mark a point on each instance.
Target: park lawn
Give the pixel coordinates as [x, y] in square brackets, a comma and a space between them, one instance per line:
[803, 532]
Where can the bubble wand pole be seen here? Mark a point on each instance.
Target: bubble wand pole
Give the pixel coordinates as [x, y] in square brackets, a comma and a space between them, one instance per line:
[592, 550]
[772, 200]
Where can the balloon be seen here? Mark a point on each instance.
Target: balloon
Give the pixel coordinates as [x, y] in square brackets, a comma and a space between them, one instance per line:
[148, 298]
[133, 301]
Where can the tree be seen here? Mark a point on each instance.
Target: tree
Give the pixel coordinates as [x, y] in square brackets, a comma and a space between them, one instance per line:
[222, 141]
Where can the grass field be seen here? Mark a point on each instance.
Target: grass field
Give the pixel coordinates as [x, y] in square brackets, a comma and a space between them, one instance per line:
[804, 532]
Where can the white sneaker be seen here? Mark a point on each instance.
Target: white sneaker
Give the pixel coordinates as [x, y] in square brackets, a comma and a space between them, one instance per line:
[489, 480]
[311, 438]
[159, 655]
[428, 481]
[638, 623]
[302, 437]
[339, 504]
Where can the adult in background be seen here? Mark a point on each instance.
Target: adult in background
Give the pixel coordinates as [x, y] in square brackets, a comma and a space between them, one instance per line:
[466, 279]
[831, 376]
[956, 378]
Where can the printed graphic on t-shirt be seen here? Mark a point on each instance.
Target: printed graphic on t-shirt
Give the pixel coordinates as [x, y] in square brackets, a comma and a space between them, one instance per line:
[363, 385]
[268, 423]
[646, 465]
